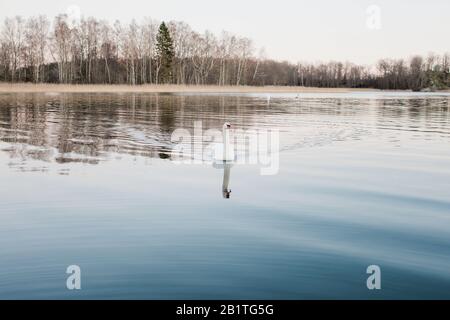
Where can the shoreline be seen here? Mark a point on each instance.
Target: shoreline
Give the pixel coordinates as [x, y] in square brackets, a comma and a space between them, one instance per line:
[172, 88]
[152, 88]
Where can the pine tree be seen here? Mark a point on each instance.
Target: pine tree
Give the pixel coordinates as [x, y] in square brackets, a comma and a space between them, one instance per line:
[165, 53]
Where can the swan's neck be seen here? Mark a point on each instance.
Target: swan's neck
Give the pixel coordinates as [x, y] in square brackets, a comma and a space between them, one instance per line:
[226, 142]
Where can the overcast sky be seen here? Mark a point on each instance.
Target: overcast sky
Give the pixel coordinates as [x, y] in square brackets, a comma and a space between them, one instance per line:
[294, 30]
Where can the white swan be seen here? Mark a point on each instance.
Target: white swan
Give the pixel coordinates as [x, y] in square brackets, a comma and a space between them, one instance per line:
[224, 151]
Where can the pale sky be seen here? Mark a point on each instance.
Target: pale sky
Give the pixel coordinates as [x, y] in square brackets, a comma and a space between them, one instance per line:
[293, 30]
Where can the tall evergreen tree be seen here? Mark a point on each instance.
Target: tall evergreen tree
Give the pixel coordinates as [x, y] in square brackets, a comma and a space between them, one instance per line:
[165, 53]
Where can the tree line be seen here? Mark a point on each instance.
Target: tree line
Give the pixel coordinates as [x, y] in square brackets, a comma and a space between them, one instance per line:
[92, 51]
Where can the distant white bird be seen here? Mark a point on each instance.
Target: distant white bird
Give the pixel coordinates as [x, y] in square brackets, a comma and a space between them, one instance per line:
[268, 99]
[224, 151]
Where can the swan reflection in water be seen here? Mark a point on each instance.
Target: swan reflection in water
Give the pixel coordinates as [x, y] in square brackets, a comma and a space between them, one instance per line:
[226, 191]
[226, 166]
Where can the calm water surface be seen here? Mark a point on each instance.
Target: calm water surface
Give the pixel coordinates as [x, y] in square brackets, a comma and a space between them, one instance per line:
[89, 179]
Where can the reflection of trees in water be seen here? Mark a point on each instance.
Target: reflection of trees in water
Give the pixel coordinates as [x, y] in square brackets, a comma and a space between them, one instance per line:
[24, 126]
[415, 114]
[88, 127]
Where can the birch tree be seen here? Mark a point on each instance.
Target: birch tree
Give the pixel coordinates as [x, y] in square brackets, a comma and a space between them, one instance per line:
[13, 34]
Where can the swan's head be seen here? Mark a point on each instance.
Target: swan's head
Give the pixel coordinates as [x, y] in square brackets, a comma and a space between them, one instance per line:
[226, 125]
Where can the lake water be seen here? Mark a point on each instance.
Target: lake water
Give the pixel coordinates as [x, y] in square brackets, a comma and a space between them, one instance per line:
[90, 180]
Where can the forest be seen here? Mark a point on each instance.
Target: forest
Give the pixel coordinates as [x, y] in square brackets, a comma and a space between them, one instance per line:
[92, 51]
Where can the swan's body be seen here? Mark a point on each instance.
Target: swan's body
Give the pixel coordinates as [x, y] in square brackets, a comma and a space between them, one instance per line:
[224, 151]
